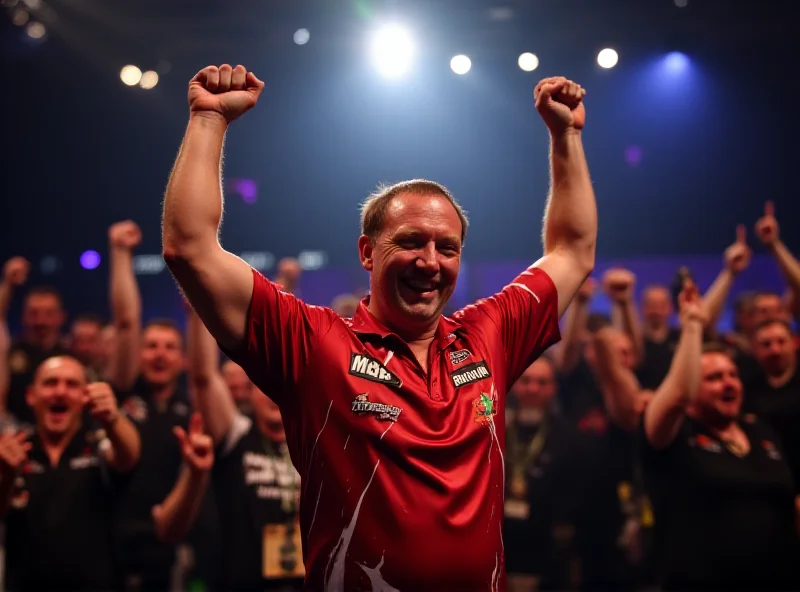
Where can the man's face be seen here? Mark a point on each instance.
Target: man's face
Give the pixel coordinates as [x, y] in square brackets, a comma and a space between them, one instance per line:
[42, 317]
[415, 260]
[237, 381]
[656, 306]
[769, 307]
[719, 397]
[57, 395]
[773, 347]
[536, 387]
[266, 413]
[161, 356]
[86, 341]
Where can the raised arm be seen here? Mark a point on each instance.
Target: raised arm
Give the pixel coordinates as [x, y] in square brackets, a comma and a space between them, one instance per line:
[665, 412]
[568, 352]
[123, 446]
[210, 392]
[570, 220]
[619, 285]
[218, 284]
[736, 259]
[768, 232]
[126, 304]
[175, 516]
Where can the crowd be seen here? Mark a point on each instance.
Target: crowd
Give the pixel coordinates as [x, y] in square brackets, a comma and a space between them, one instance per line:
[132, 457]
[637, 454]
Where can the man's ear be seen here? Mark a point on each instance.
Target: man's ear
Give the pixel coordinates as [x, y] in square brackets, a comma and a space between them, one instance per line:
[365, 252]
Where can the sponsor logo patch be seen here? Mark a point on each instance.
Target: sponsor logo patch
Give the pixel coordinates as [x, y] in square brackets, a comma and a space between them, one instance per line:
[704, 442]
[771, 449]
[484, 409]
[459, 356]
[469, 374]
[363, 406]
[365, 366]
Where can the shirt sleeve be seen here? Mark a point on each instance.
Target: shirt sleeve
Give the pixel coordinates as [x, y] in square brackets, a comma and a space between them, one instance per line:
[281, 334]
[525, 313]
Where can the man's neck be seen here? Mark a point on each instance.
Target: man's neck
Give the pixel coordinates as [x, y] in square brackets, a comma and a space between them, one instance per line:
[162, 393]
[778, 380]
[656, 333]
[54, 444]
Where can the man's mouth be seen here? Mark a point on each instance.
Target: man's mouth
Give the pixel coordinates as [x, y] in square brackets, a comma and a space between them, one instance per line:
[729, 397]
[419, 285]
[58, 410]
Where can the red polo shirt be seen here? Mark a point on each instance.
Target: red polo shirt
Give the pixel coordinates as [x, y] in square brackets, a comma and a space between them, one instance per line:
[402, 468]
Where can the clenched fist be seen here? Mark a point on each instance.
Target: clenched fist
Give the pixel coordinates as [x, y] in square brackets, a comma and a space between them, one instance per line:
[197, 447]
[124, 235]
[102, 403]
[618, 284]
[560, 103]
[13, 453]
[767, 229]
[225, 91]
[690, 305]
[15, 271]
[737, 256]
[586, 291]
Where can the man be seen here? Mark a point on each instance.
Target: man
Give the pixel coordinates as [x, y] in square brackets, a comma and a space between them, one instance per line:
[58, 491]
[239, 386]
[544, 485]
[390, 416]
[86, 343]
[255, 483]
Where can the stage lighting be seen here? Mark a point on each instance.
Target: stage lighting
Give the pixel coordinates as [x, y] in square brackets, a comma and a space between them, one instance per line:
[528, 62]
[130, 75]
[35, 30]
[149, 80]
[392, 51]
[460, 64]
[301, 36]
[607, 58]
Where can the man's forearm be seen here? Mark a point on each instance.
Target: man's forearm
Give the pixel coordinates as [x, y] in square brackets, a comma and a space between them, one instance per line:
[125, 444]
[176, 515]
[126, 309]
[790, 266]
[193, 201]
[625, 316]
[571, 212]
[716, 295]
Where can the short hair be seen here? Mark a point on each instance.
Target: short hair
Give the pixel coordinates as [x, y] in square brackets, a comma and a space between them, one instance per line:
[715, 347]
[95, 319]
[767, 294]
[373, 209]
[43, 291]
[163, 323]
[597, 321]
[770, 322]
[744, 300]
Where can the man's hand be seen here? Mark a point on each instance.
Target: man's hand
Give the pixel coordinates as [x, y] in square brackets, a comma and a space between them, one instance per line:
[690, 305]
[767, 229]
[618, 284]
[13, 453]
[102, 403]
[124, 235]
[737, 256]
[197, 447]
[15, 271]
[560, 103]
[224, 91]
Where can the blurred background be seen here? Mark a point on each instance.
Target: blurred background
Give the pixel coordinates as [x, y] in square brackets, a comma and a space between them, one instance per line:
[690, 112]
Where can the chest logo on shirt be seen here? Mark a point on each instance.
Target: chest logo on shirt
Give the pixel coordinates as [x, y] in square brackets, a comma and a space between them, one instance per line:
[706, 443]
[363, 406]
[469, 374]
[484, 409]
[771, 449]
[365, 366]
[135, 408]
[459, 356]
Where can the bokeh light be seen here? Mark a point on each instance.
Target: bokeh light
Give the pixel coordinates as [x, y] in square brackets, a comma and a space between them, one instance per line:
[392, 51]
[130, 75]
[148, 80]
[528, 62]
[607, 58]
[90, 259]
[460, 64]
[301, 36]
[633, 156]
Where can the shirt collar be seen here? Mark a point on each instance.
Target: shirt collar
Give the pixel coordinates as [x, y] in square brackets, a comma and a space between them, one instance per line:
[365, 323]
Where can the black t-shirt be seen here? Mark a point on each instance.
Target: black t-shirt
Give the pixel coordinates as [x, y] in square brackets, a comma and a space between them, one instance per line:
[59, 523]
[23, 359]
[780, 408]
[579, 398]
[553, 497]
[255, 484]
[725, 522]
[657, 360]
[153, 478]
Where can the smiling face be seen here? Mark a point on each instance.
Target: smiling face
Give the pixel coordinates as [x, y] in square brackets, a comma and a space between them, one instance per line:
[57, 395]
[719, 397]
[414, 261]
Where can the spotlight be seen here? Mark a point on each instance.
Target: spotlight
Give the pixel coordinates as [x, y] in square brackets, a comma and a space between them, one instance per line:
[392, 51]
[301, 36]
[460, 64]
[148, 80]
[607, 58]
[130, 75]
[528, 62]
